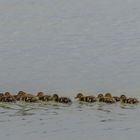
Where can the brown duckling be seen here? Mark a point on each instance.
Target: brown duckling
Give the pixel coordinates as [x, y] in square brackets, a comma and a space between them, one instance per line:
[89, 99]
[132, 101]
[20, 96]
[123, 98]
[7, 97]
[23, 96]
[64, 100]
[1, 97]
[43, 97]
[109, 99]
[100, 97]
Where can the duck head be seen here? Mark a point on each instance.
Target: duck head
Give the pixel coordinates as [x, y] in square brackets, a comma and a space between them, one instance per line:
[21, 93]
[79, 95]
[39, 94]
[122, 97]
[7, 94]
[100, 95]
[108, 95]
[55, 97]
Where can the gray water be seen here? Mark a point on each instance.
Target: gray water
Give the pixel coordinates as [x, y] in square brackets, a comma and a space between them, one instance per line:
[65, 47]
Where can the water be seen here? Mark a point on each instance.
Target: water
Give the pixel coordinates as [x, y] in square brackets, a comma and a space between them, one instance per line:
[66, 47]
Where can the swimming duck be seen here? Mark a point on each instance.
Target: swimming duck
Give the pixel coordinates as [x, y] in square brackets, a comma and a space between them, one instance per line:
[1, 97]
[132, 101]
[100, 97]
[23, 96]
[64, 100]
[43, 97]
[108, 98]
[20, 96]
[7, 97]
[123, 98]
[129, 100]
[90, 99]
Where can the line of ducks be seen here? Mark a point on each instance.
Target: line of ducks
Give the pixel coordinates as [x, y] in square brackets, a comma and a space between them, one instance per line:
[26, 97]
[40, 96]
[107, 98]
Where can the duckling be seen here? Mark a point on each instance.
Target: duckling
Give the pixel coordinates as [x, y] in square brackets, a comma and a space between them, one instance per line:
[31, 98]
[64, 100]
[7, 97]
[132, 101]
[123, 98]
[20, 96]
[108, 98]
[83, 98]
[26, 97]
[1, 97]
[100, 97]
[91, 99]
[43, 97]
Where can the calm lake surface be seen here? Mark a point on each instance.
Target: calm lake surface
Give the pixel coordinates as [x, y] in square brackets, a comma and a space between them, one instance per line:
[65, 47]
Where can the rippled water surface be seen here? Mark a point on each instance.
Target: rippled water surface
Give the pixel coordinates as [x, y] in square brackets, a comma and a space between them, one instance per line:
[65, 47]
[78, 121]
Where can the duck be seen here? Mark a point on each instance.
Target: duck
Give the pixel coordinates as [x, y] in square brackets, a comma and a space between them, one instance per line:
[123, 98]
[100, 97]
[58, 99]
[109, 99]
[89, 99]
[1, 97]
[43, 97]
[26, 97]
[7, 97]
[20, 96]
[132, 101]
[129, 100]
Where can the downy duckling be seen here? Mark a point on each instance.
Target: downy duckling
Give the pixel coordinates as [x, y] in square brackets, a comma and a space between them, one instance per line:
[23, 96]
[123, 98]
[1, 97]
[109, 99]
[58, 99]
[89, 99]
[7, 97]
[20, 96]
[126, 100]
[132, 101]
[43, 97]
[100, 97]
